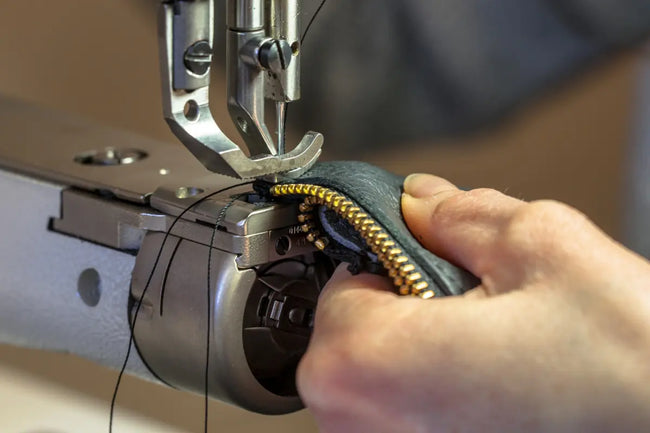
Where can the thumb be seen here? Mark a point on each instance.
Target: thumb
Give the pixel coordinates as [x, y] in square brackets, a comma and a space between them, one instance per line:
[460, 226]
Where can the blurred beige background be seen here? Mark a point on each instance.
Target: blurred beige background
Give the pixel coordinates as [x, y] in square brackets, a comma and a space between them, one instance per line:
[99, 59]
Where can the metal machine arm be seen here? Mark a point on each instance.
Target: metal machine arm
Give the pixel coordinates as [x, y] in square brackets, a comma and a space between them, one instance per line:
[112, 227]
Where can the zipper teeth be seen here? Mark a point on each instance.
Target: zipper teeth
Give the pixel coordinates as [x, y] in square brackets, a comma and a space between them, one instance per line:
[405, 277]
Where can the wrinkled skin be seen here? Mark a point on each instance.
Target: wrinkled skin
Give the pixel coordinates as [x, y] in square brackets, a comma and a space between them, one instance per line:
[555, 339]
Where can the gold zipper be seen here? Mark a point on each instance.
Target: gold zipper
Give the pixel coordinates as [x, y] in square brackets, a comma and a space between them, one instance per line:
[405, 277]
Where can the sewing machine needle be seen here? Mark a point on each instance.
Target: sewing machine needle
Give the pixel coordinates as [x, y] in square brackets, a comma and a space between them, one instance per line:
[281, 112]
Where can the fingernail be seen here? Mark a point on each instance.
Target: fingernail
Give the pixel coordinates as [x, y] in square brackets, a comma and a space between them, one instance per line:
[425, 185]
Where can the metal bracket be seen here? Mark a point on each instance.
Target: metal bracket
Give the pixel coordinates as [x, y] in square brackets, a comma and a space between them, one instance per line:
[183, 25]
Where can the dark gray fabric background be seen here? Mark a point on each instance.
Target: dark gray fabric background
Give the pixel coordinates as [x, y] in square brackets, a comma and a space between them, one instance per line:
[384, 71]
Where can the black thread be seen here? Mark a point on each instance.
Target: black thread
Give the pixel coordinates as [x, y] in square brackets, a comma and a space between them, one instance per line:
[220, 218]
[144, 291]
[164, 282]
[302, 41]
[311, 21]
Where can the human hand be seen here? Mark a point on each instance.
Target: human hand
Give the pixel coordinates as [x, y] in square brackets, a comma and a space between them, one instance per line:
[555, 339]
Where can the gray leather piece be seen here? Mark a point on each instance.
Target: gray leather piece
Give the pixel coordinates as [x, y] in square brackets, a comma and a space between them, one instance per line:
[40, 307]
[378, 193]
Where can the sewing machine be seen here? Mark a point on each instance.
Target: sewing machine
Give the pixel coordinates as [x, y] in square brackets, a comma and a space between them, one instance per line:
[47, 275]
[111, 234]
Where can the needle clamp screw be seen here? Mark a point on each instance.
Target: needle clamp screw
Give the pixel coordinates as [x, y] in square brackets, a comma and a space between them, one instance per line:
[198, 58]
[275, 55]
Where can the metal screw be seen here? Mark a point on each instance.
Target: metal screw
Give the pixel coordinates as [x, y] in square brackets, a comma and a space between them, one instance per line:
[198, 58]
[110, 156]
[275, 55]
[188, 191]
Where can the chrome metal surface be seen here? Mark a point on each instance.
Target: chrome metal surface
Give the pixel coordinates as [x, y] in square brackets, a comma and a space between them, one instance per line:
[192, 22]
[245, 14]
[248, 230]
[129, 201]
[246, 92]
[112, 223]
[284, 24]
[171, 327]
[44, 143]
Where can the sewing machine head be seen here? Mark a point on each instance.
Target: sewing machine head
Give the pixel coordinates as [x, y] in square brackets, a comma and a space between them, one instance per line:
[240, 281]
[263, 63]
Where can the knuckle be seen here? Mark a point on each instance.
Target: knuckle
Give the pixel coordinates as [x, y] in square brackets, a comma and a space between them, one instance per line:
[484, 194]
[548, 213]
[539, 227]
[556, 209]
